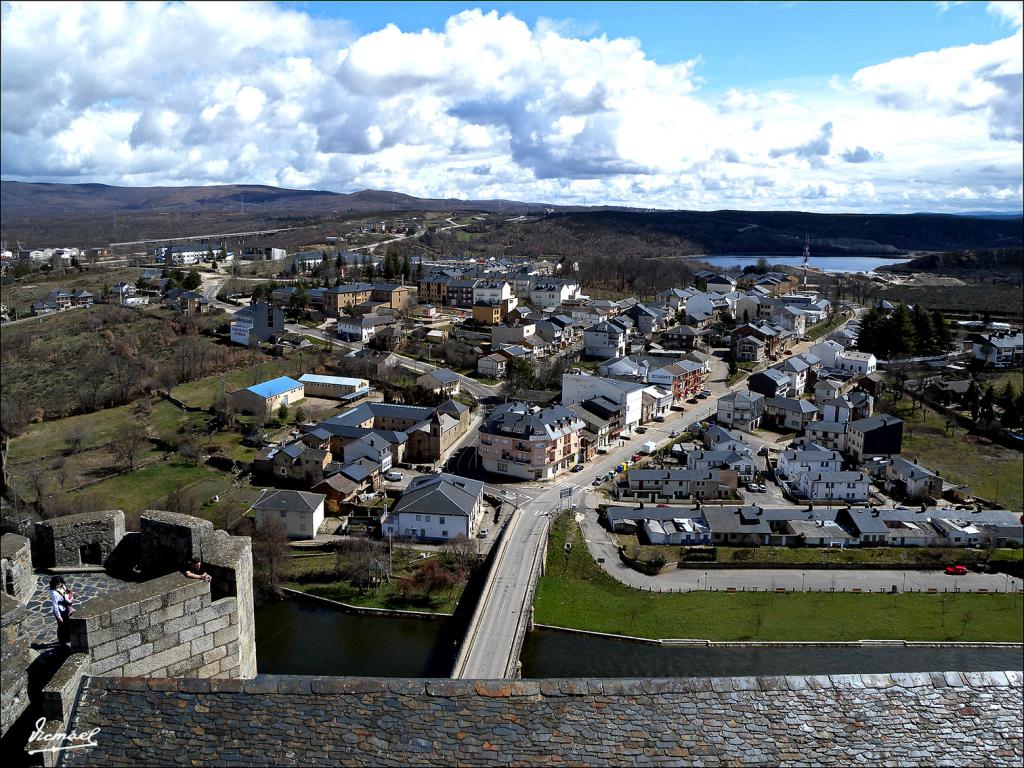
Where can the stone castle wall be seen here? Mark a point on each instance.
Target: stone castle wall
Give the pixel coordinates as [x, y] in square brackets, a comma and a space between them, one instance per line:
[75, 540]
[14, 661]
[18, 581]
[164, 627]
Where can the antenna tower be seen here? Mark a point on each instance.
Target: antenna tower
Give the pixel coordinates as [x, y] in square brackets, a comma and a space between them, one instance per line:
[807, 256]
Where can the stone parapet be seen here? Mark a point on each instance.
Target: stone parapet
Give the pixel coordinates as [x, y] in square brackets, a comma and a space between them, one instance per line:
[170, 539]
[18, 581]
[60, 693]
[85, 539]
[899, 719]
[165, 627]
[14, 661]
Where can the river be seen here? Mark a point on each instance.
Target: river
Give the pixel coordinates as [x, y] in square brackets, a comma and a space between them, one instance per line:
[294, 638]
[823, 263]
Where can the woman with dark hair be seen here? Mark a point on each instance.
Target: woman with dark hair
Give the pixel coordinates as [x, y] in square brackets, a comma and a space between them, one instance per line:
[60, 604]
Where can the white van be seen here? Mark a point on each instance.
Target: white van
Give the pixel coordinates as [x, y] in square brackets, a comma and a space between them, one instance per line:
[393, 476]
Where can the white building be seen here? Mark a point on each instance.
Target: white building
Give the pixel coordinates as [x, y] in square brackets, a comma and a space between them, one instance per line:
[604, 340]
[577, 388]
[298, 512]
[832, 486]
[856, 362]
[331, 387]
[437, 508]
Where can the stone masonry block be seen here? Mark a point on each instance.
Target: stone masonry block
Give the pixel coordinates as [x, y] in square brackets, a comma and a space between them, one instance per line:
[224, 636]
[140, 652]
[202, 644]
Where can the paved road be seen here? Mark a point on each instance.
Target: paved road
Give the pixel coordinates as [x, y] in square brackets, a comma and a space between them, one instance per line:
[603, 548]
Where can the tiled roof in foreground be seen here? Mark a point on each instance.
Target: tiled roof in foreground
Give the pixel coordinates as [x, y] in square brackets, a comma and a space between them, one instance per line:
[901, 719]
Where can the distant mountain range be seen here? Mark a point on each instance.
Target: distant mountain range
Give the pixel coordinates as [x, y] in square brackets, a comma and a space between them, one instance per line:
[23, 198]
[97, 214]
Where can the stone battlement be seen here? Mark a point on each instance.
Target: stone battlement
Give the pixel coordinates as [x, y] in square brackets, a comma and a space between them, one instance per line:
[903, 719]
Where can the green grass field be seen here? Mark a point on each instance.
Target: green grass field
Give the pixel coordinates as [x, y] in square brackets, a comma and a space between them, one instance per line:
[139, 490]
[385, 596]
[576, 593]
[992, 471]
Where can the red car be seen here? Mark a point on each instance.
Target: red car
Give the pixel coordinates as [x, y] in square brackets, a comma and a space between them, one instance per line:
[956, 570]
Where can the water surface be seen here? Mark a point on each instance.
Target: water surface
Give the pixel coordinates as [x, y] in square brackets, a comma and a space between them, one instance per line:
[553, 653]
[824, 263]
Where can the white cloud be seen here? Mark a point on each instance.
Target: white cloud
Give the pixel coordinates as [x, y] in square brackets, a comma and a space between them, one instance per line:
[488, 106]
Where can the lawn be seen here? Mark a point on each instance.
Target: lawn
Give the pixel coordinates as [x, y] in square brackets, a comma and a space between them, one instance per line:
[818, 330]
[305, 565]
[47, 439]
[576, 593]
[139, 490]
[992, 471]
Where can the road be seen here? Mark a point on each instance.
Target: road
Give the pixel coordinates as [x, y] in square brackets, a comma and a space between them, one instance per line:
[205, 237]
[604, 549]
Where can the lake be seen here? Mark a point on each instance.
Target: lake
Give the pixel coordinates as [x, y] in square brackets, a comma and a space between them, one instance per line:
[823, 263]
[294, 638]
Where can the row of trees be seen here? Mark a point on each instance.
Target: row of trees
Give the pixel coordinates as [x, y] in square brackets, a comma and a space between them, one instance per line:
[904, 332]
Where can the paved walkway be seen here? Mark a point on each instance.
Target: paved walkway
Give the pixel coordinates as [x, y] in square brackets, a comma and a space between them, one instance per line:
[602, 548]
[40, 626]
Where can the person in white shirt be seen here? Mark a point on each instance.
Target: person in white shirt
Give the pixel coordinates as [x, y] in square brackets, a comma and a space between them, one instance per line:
[60, 604]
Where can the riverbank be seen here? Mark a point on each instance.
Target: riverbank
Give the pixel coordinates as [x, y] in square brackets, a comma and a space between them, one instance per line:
[576, 593]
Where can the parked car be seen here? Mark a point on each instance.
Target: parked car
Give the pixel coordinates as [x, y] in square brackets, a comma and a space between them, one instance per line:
[483, 533]
[597, 481]
[673, 433]
[393, 476]
[660, 419]
[956, 570]
[640, 430]
[762, 451]
[578, 468]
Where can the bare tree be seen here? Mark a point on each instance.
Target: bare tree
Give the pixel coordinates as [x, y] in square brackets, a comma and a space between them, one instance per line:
[270, 554]
[189, 450]
[128, 443]
[74, 438]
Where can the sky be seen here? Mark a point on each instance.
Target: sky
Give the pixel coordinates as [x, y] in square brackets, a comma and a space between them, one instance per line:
[831, 107]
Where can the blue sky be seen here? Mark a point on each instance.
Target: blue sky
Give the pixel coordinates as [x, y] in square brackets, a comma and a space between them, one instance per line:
[740, 44]
[846, 106]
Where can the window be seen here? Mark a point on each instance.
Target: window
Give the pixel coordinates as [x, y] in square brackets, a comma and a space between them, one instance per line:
[419, 518]
[440, 520]
[502, 467]
[284, 513]
[444, 533]
[427, 518]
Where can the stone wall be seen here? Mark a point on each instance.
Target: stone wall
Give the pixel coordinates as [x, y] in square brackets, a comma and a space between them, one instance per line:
[76, 540]
[170, 540]
[16, 567]
[165, 627]
[901, 719]
[14, 661]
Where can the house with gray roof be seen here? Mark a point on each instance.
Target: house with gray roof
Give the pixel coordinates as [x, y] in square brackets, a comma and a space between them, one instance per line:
[908, 480]
[742, 409]
[298, 512]
[437, 508]
[787, 413]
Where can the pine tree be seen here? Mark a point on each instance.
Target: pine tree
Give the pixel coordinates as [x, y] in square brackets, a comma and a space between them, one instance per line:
[924, 332]
[406, 268]
[869, 338]
[972, 400]
[899, 333]
[943, 338]
[986, 410]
